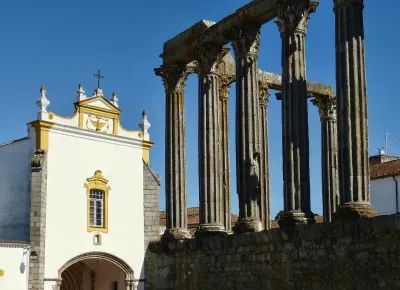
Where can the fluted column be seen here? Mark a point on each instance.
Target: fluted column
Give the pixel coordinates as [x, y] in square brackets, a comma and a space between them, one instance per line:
[224, 83]
[246, 45]
[264, 201]
[174, 78]
[330, 178]
[292, 21]
[352, 111]
[210, 196]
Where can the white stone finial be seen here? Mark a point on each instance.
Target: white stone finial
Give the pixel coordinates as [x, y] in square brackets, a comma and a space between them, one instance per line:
[81, 93]
[144, 124]
[114, 99]
[42, 103]
[97, 92]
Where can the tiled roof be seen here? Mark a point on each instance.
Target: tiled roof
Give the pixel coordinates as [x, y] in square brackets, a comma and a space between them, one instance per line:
[385, 169]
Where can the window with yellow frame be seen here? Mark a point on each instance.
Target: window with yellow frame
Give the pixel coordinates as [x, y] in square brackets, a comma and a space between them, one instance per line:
[97, 192]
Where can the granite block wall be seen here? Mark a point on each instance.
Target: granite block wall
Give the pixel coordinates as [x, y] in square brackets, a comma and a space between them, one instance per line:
[151, 196]
[363, 254]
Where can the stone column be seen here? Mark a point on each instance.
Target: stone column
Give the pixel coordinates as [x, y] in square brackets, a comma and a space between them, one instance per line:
[264, 201]
[38, 219]
[224, 83]
[246, 45]
[174, 78]
[330, 178]
[210, 196]
[352, 112]
[292, 21]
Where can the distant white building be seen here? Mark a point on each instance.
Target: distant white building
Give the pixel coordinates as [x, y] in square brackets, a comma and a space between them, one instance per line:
[78, 200]
[385, 183]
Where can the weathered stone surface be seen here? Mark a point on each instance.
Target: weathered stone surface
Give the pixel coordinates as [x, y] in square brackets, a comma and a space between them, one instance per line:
[274, 82]
[174, 78]
[352, 110]
[211, 203]
[181, 47]
[38, 218]
[329, 155]
[292, 23]
[357, 255]
[151, 195]
[264, 200]
[246, 47]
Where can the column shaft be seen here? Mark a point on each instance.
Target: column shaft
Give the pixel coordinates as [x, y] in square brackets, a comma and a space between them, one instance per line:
[292, 22]
[224, 83]
[210, 195]
[175, 152]
[352, 111]
[264, 201]
[246, 45]
[329, 168]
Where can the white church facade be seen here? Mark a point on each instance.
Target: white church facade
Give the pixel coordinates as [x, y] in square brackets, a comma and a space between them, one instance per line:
[78, 200]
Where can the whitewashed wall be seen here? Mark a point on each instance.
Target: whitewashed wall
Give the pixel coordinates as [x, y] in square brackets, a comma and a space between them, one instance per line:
[14, 189]
[383, 195]
[15, 265]
[74, 155]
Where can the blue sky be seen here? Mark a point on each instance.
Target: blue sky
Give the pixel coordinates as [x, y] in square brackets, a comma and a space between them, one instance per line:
[60, 44]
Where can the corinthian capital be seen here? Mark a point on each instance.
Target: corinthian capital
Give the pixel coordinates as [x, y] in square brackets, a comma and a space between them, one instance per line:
[225, 82]
[174, 76]
[326, 107]
[246, 40]
[209, 57]
[263, 93]
[293, 16]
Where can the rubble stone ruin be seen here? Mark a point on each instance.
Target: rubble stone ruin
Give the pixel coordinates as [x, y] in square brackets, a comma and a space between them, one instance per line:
[345, 169]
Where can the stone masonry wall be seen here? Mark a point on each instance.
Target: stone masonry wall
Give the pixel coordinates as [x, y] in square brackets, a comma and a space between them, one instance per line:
[38, 219]
[362, 255]
[151, 196]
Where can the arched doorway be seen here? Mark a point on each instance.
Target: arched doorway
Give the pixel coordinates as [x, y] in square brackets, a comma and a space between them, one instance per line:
[96, 271]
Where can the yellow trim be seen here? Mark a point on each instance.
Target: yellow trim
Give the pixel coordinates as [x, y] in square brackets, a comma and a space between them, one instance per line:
[80, 121]
[1, 273]
[100, 183]
[42, 129]
[99, 111]
[129, 131]
[52, 115]
[115, 126]
[92, 99]
[146, 150]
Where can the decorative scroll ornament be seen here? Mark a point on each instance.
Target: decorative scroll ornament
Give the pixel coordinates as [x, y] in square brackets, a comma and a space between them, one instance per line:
[326, 107]
[1, 273]
[97, 181]
[263, 93]
[98, 123]
[174, 76]
[246, 40]
[293, 17]
[209, 57]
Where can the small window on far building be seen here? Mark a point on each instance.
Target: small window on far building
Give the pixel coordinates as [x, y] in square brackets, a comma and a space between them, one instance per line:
[113, 285]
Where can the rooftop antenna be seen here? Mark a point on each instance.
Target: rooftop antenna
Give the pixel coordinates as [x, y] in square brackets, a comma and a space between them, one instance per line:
[387, 134]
